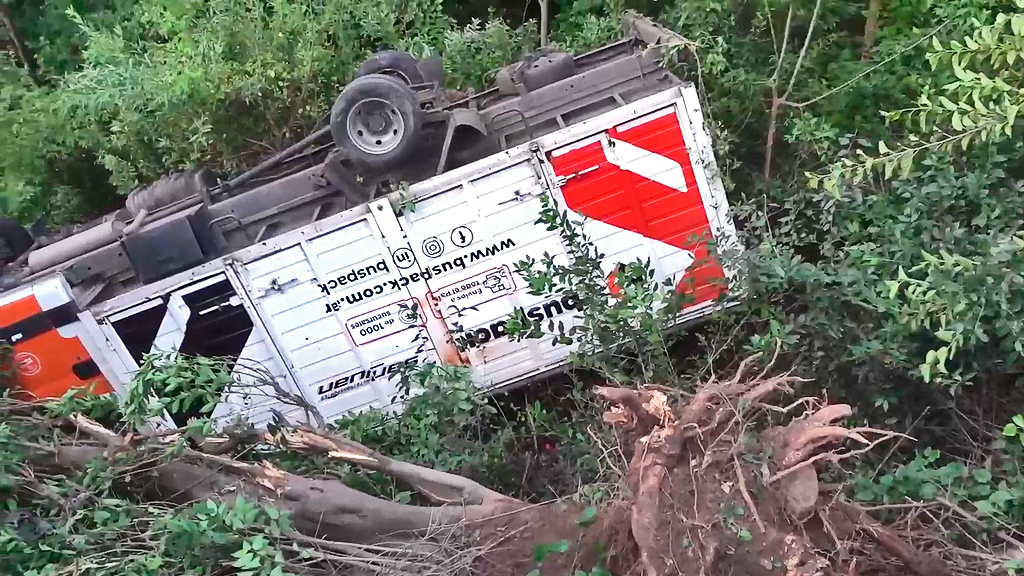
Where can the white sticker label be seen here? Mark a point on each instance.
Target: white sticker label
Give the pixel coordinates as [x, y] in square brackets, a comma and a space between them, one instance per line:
[385, 321]
[475, 290]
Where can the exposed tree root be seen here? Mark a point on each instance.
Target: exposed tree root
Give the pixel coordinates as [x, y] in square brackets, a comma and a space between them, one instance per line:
[743, 504]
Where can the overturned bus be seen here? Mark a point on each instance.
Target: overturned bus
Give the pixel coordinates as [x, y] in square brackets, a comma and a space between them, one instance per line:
[312, 267]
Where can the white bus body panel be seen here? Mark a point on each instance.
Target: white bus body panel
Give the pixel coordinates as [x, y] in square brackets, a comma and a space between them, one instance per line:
[338, 307]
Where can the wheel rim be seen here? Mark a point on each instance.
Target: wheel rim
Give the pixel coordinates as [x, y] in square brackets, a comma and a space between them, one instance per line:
[375, 126]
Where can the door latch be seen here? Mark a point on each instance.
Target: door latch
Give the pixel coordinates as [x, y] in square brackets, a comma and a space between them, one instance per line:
[561, 180]
[278, 286]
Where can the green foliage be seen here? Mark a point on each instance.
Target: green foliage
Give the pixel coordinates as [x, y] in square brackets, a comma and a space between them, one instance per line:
[124, 92]
[621, 337]
[85, 402]
[866, 279]
[56, 41]
[995, 493]
[137, 90]
[200, 539]
[729, 513]
[974, 93]
[88, 521]
[198, 82]
[587, 517]
[97, 520]
[440, 427]
[473, 54]
[1015, 429]
[44, 169]
[584, 24]
[177, 384]
[951, 289]
[532, 452]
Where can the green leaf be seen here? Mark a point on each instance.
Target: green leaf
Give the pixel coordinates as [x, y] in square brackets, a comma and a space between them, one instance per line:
[983, 475]
[1018, 420]
[928, 491]
[940, 356]
[906, 163]
[587, 517]
[965, 141]
[1010, 429]
[1017, 25]
[936, 45]
[1000, 497]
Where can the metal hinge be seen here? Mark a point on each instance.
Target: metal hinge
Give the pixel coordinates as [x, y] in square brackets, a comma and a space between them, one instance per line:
[537, 160]
[560, 180]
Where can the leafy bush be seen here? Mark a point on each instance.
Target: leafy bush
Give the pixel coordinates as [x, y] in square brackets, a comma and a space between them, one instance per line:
[223, 82]
[160, 86]
[525, 449]
[995, 493]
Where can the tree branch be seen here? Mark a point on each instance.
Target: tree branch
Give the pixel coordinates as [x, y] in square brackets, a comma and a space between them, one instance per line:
[850, 82]
[773, 114]
[871, 28]
[19, 47]
[439, 487]
[776, 100]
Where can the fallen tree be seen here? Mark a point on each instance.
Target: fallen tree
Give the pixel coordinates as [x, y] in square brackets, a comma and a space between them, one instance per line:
[723, 481]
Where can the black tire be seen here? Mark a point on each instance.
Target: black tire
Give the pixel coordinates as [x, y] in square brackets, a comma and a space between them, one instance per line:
[432, 70]
[377, 121]
[14, 240]
[392, 63]
[547, 69]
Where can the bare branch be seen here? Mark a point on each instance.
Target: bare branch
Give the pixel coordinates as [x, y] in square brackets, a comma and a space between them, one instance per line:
[742, 484]
[774, 113]
[851, 81]
[803, 50]
[440, 487]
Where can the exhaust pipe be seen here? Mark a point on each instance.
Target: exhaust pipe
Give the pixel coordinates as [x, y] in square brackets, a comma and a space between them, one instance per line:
[86, 241]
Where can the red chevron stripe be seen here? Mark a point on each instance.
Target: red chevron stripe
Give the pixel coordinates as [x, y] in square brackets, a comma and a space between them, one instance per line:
[628, 197]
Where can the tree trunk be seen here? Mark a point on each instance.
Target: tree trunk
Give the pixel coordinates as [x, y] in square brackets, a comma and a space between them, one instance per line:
[871, 28]
[325, 509]
[20, 52]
